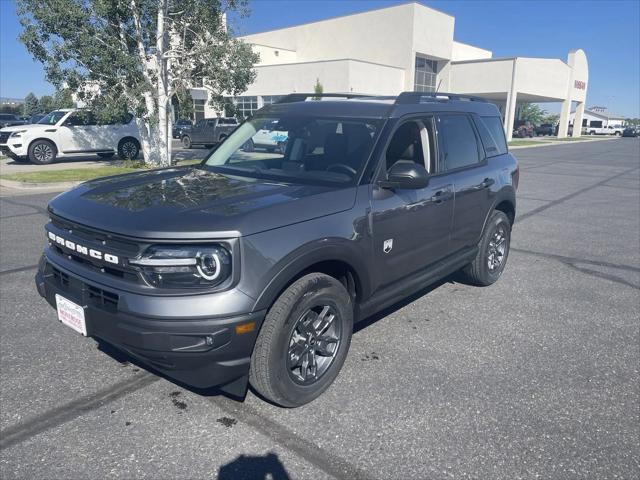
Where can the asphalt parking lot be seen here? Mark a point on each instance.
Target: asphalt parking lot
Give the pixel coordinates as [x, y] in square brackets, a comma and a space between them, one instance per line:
[536, 376]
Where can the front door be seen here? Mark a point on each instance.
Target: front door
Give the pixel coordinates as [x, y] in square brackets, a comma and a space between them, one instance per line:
[78, 134]
[411, 228]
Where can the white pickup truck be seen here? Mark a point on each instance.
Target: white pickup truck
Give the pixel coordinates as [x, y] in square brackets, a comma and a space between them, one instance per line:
[610, 130]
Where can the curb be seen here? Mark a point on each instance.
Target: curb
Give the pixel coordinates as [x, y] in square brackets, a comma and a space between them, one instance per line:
[37, 185]
[552, 142]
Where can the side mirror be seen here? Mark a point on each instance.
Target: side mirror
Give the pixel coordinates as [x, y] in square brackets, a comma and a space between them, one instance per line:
[406, 174]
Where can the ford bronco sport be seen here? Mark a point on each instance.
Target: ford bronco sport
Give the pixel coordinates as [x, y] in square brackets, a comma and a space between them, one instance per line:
[252, 266]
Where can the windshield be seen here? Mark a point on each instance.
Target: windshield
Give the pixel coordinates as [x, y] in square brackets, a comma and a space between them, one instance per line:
[52, 118]
[297, 149]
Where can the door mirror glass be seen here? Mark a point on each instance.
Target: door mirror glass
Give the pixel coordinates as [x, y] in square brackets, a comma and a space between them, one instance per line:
[406, 174]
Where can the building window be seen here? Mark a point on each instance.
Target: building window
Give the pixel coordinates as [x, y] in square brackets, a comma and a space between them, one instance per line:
[425, 74]
[270, 99]
[198, 109]
[245, 106]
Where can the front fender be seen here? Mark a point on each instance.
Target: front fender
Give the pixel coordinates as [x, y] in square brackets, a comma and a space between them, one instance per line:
[285, 271]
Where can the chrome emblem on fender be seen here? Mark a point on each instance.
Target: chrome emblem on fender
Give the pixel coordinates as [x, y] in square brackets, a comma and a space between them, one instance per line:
[387, 246]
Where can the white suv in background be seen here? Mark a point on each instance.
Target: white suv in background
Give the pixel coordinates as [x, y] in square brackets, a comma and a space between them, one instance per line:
[69, 132]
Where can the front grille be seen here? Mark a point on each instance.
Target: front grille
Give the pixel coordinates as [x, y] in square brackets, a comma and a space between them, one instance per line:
[4, 136]
[88, 294]
[101, 241]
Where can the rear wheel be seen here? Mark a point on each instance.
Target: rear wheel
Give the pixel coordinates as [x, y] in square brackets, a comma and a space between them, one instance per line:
[493, 251]
[128, 149]
[42, 152]
[303, 342]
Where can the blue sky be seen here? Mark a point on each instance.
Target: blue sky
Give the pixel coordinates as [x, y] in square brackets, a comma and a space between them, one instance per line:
[608, 31]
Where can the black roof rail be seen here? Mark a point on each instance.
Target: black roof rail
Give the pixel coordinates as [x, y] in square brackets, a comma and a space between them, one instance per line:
[301, 97]
[416, 97]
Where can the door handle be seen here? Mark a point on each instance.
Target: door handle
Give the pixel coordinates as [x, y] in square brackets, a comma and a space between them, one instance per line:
[486, 183]
[441, 196]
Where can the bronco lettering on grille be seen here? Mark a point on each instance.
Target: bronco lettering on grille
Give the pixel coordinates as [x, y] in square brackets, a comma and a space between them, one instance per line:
[89, 252]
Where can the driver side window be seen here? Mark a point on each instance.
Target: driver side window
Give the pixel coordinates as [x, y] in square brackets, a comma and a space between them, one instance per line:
[413, 141]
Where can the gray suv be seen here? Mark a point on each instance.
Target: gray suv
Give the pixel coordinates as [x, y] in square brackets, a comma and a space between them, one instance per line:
[208, 131]
[253, 266]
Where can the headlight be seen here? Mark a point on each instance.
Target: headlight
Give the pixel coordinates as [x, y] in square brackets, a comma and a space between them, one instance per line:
[17, 133]
[193, 266]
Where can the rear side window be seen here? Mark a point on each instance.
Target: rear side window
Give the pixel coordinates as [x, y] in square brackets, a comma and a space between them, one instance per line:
[492, 135]
[459, 145]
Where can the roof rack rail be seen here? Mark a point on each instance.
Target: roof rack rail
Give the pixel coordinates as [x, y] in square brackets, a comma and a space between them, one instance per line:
[301, 97]
[416, 97]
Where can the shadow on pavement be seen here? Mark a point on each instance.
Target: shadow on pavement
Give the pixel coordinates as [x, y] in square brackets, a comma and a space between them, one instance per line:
[252, 467]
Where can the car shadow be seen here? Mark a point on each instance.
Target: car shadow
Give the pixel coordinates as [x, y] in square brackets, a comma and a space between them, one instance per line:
[370, 320]
[258, 467]
[125, 359]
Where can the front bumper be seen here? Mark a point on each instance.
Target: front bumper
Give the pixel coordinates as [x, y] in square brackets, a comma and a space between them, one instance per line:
[200, 352]
[14, 149]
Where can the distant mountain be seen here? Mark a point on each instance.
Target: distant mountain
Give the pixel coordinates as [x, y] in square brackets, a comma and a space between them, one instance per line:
[7, 100]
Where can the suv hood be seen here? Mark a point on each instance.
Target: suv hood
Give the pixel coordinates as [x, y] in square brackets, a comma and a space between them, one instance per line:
[194, 203]
[30, 126]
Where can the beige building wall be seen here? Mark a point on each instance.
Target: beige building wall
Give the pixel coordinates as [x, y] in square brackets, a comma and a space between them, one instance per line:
[341, 76]
[461, 52]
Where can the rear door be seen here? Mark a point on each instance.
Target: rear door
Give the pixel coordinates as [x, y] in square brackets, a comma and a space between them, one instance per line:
[463, 160]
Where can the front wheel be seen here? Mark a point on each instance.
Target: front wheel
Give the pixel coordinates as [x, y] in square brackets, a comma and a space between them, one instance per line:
[186, 141]
[303, 342]
[493, 251]
[42, 152]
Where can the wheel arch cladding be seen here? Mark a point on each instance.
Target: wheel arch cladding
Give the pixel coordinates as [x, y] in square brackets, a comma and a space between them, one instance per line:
[508, 208]
[353, 279]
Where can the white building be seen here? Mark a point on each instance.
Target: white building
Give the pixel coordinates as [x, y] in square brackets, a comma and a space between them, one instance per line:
[404, 47]
[599, 117]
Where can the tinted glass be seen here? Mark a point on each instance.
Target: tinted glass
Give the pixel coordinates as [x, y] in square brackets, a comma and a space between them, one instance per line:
[80, 118]
[6, 116]
[297, 149]
[52, 118]
[459, 144]
[492, 135]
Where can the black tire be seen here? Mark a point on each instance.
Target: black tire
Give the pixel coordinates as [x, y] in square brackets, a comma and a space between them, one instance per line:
[128, 148]
[42, 152]
[478, 272]
[186, 141]
[106, 154]
[274, 373]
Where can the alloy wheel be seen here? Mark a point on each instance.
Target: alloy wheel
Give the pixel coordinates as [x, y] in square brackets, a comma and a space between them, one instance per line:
[43, 152]
[129, 150]
[497, 248]
[313, 344]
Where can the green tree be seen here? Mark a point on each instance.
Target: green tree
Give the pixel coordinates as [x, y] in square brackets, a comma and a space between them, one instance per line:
[318, 89]
[63, 98]
[632, 121]
[30, 104]
[552, 118]
[46, 104]
[533, 113]
[136, 54]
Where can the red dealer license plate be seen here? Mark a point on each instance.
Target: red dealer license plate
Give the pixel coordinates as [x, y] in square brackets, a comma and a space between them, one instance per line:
[71, 314]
